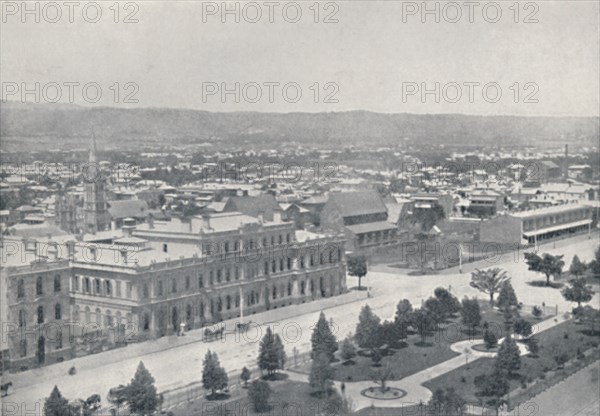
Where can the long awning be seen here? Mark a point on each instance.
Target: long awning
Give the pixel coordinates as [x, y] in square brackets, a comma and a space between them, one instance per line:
[557, 228]
[371, 227]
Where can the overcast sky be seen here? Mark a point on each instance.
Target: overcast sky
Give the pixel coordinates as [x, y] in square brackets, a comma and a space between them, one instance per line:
[366, 56]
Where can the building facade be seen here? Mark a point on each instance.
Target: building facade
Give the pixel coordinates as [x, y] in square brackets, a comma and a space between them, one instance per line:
[158, 278]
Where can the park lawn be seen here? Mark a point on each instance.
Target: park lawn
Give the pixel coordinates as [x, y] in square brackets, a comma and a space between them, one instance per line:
[567, 337]
[415, 356]
[288, 395]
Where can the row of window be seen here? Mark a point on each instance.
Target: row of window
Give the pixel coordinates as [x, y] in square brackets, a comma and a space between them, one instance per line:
[235, 245]
[39, 286]
[101, 287]
[40, 315]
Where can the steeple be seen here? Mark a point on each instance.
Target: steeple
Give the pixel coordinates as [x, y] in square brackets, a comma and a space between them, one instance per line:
[93, 149]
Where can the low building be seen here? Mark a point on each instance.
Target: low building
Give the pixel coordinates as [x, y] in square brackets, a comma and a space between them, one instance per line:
[485, 204]
[535, 225]
[362, 216]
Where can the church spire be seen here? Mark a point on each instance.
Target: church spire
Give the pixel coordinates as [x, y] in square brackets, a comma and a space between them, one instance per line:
[93, 149]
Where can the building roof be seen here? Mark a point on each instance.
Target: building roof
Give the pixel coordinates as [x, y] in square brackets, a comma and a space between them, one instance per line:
[351, 204]
[370, 227]
[134, 208]
[555, 209]
[549, 164]
[253, 205]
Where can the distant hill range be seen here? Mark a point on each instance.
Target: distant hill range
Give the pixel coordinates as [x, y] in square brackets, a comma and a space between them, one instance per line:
[50, 126]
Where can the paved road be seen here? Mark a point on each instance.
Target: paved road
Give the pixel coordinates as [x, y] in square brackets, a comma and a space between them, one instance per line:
[178, 365]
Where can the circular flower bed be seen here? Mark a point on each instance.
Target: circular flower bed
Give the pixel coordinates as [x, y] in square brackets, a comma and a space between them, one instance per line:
[482, 348]
[390, 393]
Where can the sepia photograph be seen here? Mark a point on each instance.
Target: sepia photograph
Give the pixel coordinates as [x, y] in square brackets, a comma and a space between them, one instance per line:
[299, 208]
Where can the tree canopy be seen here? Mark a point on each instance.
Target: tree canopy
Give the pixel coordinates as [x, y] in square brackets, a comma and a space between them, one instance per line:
[488, 281]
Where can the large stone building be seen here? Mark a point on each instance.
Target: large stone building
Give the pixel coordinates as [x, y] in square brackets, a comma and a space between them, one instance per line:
[154, 278]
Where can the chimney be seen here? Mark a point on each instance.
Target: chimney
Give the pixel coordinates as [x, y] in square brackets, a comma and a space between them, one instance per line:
[566, 164]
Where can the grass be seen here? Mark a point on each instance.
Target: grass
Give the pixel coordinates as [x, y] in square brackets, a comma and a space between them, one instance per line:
[416, 356]
[567, 337]
[287, 397]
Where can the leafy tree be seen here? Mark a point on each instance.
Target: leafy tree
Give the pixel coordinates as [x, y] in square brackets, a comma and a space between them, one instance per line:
[445, 402]
[245, 376]
[428, 217]
[471, 313]
[347, 350]
[490, 339]
[321, 375]
[492, 388]
[56, 404]
[271, 355]
[117, 396]
[549, 265]
[577, 267]
[376, 357]
[436, 310]
[578, 291]
[449, 302]
[382, 376]
[258, 394]
[488, 281]
[322, 339]
[594, 265]
[590, 317]
[507, 297]
[423, 323]
[523, 328]
[391, 333]
[141, 392]
[368, 333]
[536, 311]
[357, 266]
[509, 357]
[214, 377]
[403, 317]
[533, 346]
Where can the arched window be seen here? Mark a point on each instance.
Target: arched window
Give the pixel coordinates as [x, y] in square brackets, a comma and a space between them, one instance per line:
[303, 288]
[146, 321]
[57, 311]
[98, 317]
[57, 283]
[88, 318]
[228, 300]
[22, 319]
[159, 288]
[237, 301]
[107, 288]
[274, 292]
[219, 305]
[39, 286]
[173, 285]
[289, 289]
[20, 288]
[40, 314]
[108, 319]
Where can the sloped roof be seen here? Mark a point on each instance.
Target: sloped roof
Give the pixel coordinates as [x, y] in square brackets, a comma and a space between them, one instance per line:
[253, 205]
[371, 227]
[358, 203]
[134, 208]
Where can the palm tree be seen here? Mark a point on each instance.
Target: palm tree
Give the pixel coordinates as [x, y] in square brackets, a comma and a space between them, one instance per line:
[489, 281]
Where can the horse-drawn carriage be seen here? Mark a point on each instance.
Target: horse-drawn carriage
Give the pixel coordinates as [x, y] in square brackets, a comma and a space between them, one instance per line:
[243, 326]
[211, 334]
[5, 388]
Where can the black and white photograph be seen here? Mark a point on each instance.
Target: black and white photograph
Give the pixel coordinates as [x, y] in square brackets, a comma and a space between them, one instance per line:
[299, 208]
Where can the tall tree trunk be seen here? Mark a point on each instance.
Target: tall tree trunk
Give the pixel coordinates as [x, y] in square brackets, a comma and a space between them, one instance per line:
[359, 279]
[547, 280]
